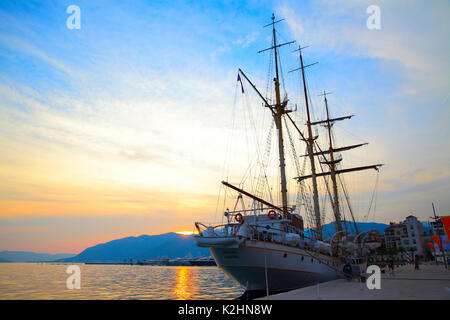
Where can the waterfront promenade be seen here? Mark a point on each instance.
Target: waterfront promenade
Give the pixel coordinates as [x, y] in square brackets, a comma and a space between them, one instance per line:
[431, 282]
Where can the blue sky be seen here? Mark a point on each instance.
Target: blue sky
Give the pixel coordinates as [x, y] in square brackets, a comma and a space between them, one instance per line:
[117, 124]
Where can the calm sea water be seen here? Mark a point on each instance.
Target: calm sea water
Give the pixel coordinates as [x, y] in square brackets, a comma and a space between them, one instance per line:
[48, 281]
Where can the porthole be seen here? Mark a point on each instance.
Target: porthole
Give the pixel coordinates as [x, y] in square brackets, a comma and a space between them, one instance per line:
[285, 255]
[303, 258]
[312, 260]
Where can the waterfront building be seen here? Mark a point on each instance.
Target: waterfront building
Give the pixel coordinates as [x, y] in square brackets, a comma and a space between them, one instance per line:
[409, 235]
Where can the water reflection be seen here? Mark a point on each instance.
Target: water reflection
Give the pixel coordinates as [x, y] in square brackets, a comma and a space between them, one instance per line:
[48, 281]
[183, 287]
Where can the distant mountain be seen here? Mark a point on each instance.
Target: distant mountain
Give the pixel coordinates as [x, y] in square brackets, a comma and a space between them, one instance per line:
[26, 256]
[170, 245]
[329, 229]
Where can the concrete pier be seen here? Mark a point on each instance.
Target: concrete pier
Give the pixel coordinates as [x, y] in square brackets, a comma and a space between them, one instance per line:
[431, 282]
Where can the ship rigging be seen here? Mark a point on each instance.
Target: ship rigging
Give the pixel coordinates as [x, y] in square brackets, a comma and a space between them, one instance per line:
[254, 244]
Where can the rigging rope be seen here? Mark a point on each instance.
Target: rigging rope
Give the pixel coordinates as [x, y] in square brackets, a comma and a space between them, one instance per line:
[226, 164]
[348, 202]
[374, 193]
[262, 178]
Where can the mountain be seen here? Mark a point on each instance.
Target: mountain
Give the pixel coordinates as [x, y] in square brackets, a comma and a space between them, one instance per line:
[170, 245]
[27, 256]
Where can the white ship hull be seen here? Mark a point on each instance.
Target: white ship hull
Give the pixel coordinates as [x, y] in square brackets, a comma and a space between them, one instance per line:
[287, 267]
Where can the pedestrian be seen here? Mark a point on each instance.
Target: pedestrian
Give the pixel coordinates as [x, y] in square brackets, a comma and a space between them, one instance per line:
[391, 267]
[416, 262]
[348, 272]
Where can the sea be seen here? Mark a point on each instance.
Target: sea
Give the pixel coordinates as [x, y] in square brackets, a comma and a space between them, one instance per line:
[48, 281]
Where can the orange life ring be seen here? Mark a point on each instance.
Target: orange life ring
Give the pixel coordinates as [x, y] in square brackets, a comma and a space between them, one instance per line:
[272, 214]
[238, 217]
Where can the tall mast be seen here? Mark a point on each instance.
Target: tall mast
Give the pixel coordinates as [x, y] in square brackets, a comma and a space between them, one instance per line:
[332, 164]
[310, 143]
[278, 109]
[278, 121]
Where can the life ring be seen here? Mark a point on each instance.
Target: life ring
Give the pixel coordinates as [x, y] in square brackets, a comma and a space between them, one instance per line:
[238, 217]
[272, 214]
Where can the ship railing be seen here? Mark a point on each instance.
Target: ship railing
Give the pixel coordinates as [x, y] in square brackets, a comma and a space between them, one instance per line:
[221, 230]
[249, 210]
[257, 232]
[268, 236]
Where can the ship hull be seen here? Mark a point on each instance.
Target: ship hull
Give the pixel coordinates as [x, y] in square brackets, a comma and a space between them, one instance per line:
[287, 267]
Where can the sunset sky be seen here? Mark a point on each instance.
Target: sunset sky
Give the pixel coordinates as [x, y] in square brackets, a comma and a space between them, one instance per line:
[117, 128]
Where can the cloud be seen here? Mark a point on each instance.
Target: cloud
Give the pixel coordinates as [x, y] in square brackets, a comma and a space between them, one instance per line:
[411, 34]
[17, 44]
[246, 41]
[135, 123]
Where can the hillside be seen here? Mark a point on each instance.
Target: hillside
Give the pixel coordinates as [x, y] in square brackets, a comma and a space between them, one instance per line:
[27, 256]
[171, 245]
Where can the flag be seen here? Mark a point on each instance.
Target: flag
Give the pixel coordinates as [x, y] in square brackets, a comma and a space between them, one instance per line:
[446, 223]
[430, 244]
[408, 258]
[239, 79]
[438, 241]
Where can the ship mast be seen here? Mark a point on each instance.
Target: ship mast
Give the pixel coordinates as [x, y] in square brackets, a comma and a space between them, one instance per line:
[332, 163]
[277, 111]
[310, 144]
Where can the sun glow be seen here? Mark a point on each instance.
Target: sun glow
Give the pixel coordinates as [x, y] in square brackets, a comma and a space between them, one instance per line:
[186, 233]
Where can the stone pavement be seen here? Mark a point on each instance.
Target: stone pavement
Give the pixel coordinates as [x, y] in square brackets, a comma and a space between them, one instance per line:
[431, 282]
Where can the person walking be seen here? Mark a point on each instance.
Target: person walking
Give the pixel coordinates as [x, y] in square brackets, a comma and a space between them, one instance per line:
[391, 267]
[416, 262]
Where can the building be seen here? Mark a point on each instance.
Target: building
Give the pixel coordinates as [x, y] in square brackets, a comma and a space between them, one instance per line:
[394, 234]
[408, 235]
[437, 228]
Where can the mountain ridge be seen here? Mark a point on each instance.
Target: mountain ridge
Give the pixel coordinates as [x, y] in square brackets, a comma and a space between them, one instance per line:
[30, 256]
[143, 247]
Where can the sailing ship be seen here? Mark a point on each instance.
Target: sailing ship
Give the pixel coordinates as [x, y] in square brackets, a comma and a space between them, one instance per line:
[265, 246]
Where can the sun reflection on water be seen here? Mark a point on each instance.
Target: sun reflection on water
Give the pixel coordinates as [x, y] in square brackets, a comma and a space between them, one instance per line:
[183, 288]
[36, 281]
